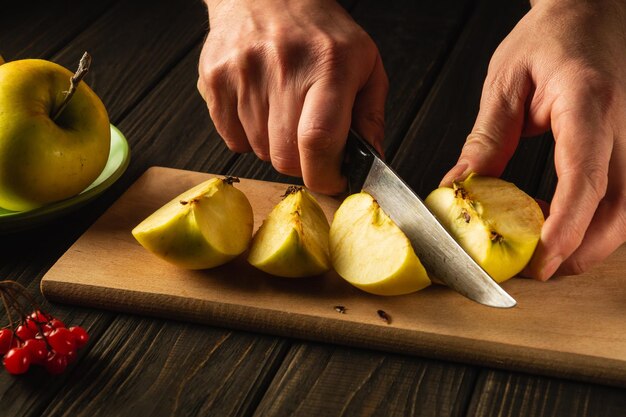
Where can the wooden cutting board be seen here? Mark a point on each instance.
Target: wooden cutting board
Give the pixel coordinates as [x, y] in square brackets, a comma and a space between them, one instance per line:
[571, 327]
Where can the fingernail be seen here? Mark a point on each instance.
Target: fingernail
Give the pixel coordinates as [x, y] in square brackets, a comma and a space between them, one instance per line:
[457, 172]
[550, 268]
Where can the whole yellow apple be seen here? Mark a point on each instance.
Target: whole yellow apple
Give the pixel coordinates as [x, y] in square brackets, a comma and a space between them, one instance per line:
[44, 160]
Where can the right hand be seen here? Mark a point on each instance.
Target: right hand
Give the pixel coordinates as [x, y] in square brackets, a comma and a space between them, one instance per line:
[287, 80]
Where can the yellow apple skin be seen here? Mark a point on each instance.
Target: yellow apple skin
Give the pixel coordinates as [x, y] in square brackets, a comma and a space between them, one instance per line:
[41, 160]
[498, 224]
[292, 242]
[371, 252]
[204, 227]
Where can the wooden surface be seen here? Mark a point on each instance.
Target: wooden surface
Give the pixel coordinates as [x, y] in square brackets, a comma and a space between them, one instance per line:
[553, 330]
[145, 69]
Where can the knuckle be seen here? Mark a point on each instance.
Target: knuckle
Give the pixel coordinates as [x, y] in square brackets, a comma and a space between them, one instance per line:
[595, 87]
[577, 266]
[286, 165]
[262, 155]
[316, 139]
[591, 177]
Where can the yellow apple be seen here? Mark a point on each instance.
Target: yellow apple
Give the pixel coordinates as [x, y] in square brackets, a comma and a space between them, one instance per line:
[44, 160]
[498, 224]
[204, 227]
[293, 239]
[371, 252]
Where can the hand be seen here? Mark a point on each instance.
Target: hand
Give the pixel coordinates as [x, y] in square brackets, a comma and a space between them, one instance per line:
[286, 79]
[562, 67]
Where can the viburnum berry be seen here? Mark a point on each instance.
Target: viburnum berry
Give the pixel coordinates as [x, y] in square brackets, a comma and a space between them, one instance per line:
[7, 340]
[24, 333]
[62, 340]
[55, 363]
[71, 356]
[34, 337]
[17, 360]
[38, 350]
[80, 336]
[56, 323]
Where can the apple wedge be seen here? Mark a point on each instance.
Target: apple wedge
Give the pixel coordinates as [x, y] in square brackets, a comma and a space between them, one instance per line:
[293, 240]
[498, 224]
[371, 252]
[204, 227]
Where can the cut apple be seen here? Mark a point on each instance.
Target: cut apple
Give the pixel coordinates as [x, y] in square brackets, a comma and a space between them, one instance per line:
[293, 239]
[204, 227]
[498, 224]
[371, 252]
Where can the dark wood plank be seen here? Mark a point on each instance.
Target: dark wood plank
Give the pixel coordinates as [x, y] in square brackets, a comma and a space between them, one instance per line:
[61, 23]
[437, 134]
[155, 368]
[505, 394]
[161, 33]
[133, 46]
[330, 381]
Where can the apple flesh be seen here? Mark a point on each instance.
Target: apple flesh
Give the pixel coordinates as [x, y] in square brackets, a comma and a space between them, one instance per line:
[496, 223]
[293, 240]
[371, 252]
[44, 160]
[204, 227]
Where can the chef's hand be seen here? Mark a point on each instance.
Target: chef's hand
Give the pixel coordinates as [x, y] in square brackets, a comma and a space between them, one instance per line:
[562, 67]
[286, 78]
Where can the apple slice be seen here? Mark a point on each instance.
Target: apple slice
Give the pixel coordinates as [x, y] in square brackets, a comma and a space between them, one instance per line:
[204, 227]
[371, 252]
[293, 239]
[498, 224]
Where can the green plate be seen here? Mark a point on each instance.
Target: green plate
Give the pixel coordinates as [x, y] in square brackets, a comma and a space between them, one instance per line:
[119, 156]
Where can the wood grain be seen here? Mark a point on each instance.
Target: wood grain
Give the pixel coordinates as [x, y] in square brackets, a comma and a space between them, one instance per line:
[152, 367]
[559, 337]
[332, 381]
[518, 395]
[48, 29]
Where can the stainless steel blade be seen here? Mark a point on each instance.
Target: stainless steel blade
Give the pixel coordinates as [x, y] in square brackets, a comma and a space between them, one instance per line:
[440, 254]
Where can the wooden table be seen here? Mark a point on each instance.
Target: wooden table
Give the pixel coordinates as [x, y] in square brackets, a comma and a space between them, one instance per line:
[145, 70]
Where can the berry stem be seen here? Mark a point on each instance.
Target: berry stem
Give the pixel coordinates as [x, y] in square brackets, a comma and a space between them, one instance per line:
[83, 68]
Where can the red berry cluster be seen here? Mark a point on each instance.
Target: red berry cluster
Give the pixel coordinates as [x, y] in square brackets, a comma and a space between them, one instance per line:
[36, 338]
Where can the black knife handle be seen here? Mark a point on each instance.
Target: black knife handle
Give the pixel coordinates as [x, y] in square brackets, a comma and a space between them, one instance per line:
[358, 160]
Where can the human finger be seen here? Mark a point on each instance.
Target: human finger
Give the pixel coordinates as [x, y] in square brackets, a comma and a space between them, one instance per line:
[582, 154]
[607, 230]
[253, 106]
[322, 133]
[221, 100]
[368, 114]
[284, 113]
[498, 126]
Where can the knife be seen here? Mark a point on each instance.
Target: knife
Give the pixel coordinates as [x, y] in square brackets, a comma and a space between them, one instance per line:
[440, 254]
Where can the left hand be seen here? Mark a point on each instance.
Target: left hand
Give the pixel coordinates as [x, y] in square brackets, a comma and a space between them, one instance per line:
[562, 67]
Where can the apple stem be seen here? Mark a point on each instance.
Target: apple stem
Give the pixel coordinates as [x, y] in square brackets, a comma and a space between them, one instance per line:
[83, 68]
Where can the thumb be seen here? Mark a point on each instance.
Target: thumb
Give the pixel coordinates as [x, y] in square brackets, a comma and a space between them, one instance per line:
[497, 130]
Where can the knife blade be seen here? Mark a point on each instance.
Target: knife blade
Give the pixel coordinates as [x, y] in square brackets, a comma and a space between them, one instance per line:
[440, 254]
